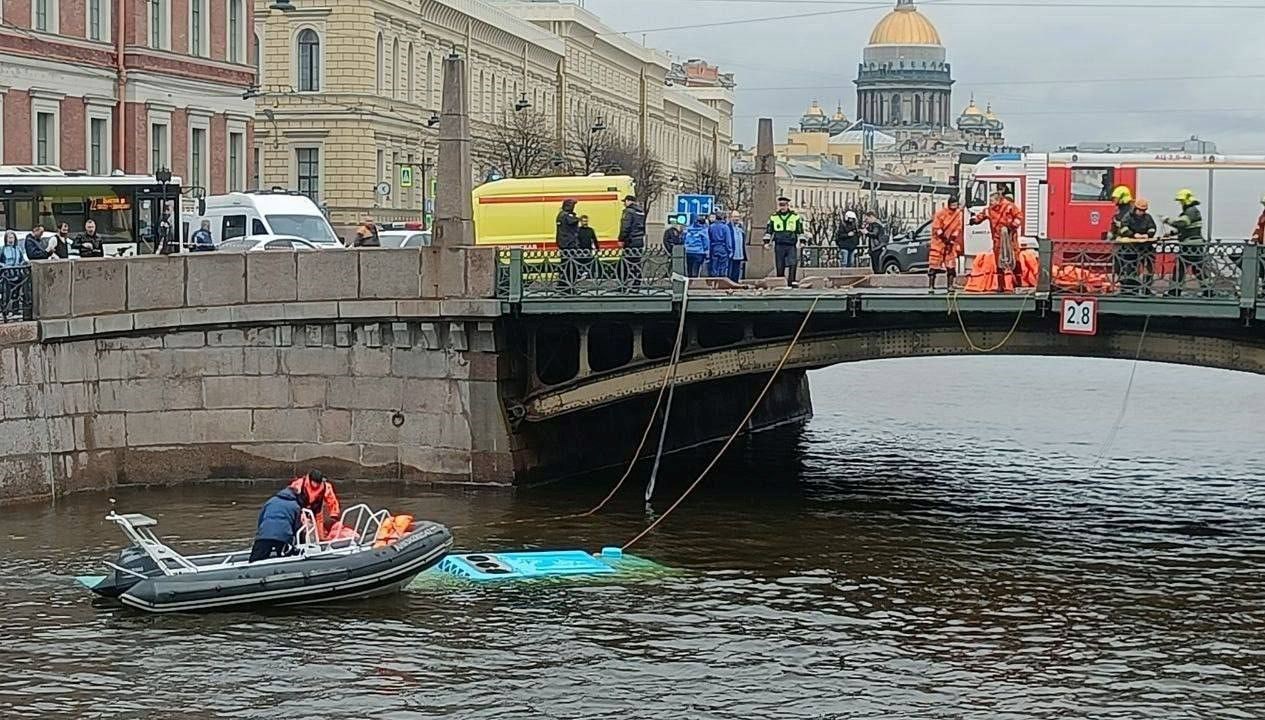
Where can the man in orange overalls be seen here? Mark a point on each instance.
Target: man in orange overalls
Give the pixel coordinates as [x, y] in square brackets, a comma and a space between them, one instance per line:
[1258, 235]
[946, 244]
[319, 497]
[1005, 219]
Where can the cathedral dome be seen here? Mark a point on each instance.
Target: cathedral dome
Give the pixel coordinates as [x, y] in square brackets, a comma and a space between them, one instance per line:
[904, 25]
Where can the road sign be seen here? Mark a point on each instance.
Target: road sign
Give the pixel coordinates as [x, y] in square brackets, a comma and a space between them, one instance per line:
[406, 176]
[694, 204]
[1079, 316]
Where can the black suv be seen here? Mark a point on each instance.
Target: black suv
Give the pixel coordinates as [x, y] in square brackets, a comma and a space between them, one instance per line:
[907, 252]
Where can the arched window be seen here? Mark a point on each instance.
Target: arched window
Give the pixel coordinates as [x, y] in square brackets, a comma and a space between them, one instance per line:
[430, 74]
[381, 64]
[411, 84]
[395, 63]
[309, 61]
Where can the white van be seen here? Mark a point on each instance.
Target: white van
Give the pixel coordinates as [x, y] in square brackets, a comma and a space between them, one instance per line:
[264, 212]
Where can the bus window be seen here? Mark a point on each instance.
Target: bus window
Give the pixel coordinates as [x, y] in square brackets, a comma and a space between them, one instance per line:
[1092, 184]
[257, 227]
[234, 226]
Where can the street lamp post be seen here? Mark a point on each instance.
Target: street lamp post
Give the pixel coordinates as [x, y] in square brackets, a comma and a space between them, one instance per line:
[163, 176]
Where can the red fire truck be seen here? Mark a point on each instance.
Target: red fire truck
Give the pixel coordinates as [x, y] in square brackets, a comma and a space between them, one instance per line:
[1067, 196]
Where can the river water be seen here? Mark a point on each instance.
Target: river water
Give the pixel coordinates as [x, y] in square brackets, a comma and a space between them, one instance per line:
[918, 550]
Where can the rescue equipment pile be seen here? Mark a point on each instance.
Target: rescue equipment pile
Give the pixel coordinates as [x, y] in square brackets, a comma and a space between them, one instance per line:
[366, 553]
[1072, 278]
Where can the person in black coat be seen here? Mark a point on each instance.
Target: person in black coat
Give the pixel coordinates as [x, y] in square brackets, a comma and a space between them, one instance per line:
[88, 243]
[279, 521]
[37, 245]
[632, 225]
[847, 238]
[567, 236]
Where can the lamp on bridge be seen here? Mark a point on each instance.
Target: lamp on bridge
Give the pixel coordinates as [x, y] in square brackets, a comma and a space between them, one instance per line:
[163, 176]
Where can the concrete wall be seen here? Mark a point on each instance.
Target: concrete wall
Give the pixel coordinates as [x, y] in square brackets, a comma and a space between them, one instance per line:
[264, 401]
[157, 293]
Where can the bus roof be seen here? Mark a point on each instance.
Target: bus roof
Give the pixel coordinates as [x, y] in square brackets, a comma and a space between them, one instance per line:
[561, 185]
[50, 175]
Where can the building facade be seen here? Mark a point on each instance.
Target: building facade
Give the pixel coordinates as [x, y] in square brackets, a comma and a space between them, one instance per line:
[130, 85]
[349, 92]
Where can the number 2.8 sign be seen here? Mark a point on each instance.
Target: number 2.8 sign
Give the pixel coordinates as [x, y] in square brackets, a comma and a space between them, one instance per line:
[1079, 316]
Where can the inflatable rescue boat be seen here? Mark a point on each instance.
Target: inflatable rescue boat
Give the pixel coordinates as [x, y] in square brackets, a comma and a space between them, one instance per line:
[369, 553]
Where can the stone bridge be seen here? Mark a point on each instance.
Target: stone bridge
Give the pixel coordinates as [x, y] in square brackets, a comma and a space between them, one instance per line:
[466, 365]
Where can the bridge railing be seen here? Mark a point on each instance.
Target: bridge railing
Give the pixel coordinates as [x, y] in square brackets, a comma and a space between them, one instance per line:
[1165, 268]
[15, 293]
[525, 274]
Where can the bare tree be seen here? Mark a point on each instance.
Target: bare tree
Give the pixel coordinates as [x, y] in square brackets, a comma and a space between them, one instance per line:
[708, 178]
[588, 142]
[743, 192]
[523, 144]
[627, 157]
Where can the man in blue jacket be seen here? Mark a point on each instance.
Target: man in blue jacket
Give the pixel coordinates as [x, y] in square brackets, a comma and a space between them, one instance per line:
[697, 243]
[279, 521]
[721, 248]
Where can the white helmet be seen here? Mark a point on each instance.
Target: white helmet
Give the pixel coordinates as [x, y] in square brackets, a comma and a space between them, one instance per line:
[850, 215]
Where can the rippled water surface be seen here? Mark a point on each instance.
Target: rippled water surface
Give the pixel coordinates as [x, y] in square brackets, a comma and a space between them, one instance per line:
[948, 538]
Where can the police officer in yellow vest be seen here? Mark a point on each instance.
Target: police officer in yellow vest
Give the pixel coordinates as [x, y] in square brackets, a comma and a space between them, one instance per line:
[783, 231]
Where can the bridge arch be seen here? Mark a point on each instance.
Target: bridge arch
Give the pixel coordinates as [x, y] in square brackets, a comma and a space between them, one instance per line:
[1243, 351]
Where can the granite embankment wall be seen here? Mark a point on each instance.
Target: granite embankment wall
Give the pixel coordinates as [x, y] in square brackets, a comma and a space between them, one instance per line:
[159, 369]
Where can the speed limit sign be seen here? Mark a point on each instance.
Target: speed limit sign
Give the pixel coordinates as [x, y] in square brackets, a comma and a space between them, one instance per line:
[1079, 316]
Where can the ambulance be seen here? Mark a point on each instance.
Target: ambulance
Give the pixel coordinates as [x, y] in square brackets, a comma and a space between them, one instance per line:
[1067, 196]
[522, 212]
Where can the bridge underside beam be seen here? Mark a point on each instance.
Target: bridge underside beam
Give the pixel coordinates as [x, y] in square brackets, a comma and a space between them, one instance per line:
[1244, 351]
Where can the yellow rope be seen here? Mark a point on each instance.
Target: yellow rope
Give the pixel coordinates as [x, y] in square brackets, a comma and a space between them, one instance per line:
[737, 430]
[955, 309]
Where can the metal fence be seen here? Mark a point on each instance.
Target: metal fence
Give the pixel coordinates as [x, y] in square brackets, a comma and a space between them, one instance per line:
[583, 273]
[830, 256]
[15, 294]
[1164, 268]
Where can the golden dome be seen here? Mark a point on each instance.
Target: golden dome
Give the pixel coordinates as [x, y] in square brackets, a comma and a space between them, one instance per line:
[839, 114]
[904, 26]
[815, 109]
[973, 109]
[989, 114]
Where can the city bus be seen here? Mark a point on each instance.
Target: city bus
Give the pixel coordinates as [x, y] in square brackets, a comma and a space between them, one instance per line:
[129, 209]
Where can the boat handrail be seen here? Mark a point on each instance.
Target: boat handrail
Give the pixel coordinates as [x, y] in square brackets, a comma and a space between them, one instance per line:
[138, 530]
[307, 537]
[364, 521]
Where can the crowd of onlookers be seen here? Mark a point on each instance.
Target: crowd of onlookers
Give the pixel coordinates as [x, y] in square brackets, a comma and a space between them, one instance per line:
[715, 244]
[40, 245]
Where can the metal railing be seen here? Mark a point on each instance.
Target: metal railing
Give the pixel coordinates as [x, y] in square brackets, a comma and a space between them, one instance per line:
[831, 256]
[15, 293]
[542, 274]
[1161, 268]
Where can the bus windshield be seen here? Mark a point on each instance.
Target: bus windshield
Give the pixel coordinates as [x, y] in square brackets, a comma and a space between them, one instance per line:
[313, 228]
[123, 219]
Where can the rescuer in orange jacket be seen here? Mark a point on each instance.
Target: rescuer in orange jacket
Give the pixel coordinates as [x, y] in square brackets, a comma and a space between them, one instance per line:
[319, 497]
[946, 244]
[1003, 214]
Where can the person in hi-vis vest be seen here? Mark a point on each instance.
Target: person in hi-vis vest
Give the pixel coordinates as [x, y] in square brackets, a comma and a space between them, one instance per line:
[783, 231]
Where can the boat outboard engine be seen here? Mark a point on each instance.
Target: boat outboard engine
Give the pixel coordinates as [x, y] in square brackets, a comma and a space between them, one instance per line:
[133, 558]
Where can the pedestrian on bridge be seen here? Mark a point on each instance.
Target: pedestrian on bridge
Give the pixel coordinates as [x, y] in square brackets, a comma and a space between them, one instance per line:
[875, 240]
[947, 228]
[632, 238]
[697, 244]
[847, 238]
[783, 231]
[738, 263]
[721, 248]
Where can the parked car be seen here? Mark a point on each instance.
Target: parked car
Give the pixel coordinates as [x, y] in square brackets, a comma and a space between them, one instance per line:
[907, 252]
[404, 238]
[257, 243]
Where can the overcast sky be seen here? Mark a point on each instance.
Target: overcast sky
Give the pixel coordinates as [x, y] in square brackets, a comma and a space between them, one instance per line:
[1044, 67]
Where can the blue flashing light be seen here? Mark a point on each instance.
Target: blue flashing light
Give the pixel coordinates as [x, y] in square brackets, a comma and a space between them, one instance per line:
[1001, 157]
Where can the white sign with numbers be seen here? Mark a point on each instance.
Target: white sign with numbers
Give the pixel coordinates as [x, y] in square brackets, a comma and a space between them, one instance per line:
[1079, 316]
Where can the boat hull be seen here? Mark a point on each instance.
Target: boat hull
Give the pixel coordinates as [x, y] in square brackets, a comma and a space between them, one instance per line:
[301, 580]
